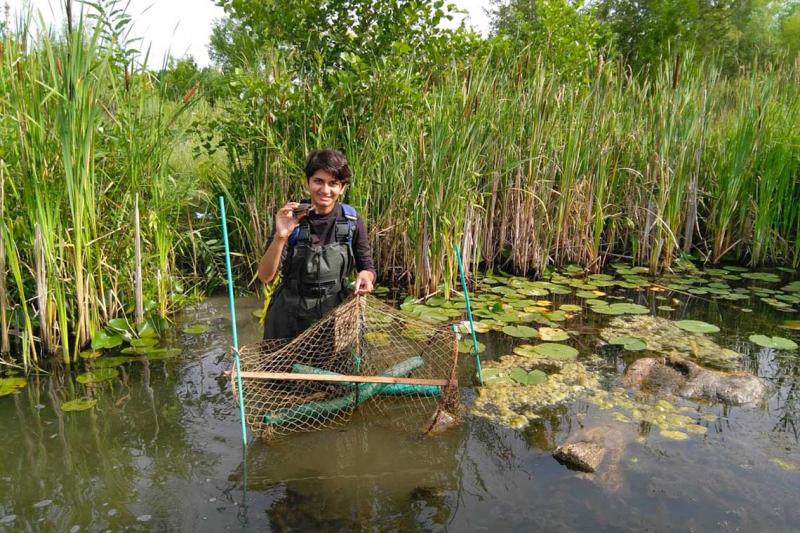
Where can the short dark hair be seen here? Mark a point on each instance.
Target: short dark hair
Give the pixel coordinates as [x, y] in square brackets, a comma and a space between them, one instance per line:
[330, 160]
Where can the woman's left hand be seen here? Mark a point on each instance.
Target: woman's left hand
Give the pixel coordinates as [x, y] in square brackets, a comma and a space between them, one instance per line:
[364, 282]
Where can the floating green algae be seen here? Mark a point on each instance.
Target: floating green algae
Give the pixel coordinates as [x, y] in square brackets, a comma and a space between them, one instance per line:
[664, 336]
[667, 417]
[377, 338]
[514, 404]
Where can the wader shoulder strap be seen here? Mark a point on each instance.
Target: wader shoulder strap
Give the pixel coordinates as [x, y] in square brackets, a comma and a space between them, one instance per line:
[301, 233]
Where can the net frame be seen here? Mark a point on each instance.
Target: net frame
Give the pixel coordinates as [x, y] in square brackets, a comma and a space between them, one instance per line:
[362, 355]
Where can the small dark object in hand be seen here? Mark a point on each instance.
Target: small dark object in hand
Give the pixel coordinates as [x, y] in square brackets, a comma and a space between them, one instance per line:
[301, 210]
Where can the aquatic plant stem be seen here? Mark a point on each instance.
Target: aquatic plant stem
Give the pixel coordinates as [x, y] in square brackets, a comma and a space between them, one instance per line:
[233, 318]
[469, 314]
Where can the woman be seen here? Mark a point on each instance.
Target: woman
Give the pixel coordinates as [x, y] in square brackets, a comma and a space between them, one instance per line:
[316, 246]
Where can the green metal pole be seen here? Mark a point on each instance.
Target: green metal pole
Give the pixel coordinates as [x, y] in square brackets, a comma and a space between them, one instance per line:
[469, 314]
[233, 317]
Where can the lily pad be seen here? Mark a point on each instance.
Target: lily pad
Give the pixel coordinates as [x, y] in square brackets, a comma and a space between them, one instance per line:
[479, 327]
[120, 325]
[776, 343]
[145, 342]
[9, 385]
[559, 352]
[791, 324]
[633, 344]
[524, 377]
[80, 404]
[696, 326]
[195, 329]
[620, 309]
[147, 330]
[553, 334]
[570, 308]
[105, 340]
[521, 332]
[555, 316]
[90, 354]
[560, 290]
[465, 346]
[493, 376]
[97, 376]
[762, 276]
[525, 350]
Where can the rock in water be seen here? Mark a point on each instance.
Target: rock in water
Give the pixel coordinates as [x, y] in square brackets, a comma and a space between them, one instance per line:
[638, 372]
[583, 456]
[441, 421]
[732, 390]
[586, 449]
[690, 380]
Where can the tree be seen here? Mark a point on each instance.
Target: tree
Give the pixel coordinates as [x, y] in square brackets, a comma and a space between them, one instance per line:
[566, 33]
[736, 30]
[324, 37]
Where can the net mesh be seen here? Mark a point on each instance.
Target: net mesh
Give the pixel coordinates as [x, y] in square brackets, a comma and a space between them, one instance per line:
[361, 337]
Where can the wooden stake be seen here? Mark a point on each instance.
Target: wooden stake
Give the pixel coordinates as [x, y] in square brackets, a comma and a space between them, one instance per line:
[45, 324]
[137, 253]
[288, 376]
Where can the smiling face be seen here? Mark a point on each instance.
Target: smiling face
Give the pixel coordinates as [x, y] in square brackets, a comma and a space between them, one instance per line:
[325, 190]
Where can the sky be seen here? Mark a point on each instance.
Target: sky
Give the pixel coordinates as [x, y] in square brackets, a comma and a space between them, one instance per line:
[182, 27]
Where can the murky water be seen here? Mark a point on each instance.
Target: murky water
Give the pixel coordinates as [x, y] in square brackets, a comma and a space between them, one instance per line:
[162, 451]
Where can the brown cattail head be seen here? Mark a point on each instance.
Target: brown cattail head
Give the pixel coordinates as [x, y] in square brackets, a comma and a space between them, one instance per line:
[191, 92]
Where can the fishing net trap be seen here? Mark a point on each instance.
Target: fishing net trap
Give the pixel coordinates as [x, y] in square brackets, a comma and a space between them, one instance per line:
[363, 356]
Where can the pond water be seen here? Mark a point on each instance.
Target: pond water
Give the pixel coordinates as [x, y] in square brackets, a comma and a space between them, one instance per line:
[161, 449]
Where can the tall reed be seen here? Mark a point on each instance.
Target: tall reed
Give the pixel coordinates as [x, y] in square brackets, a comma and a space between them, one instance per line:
[528, 169]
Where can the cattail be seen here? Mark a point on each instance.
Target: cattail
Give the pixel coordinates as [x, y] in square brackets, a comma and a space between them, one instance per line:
[191, 92]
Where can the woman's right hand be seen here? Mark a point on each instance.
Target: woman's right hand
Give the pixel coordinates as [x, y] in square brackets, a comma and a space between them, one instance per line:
[285, 222]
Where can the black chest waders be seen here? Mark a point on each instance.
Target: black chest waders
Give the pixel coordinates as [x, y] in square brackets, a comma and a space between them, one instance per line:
[314, 278]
